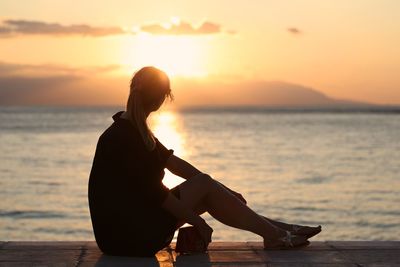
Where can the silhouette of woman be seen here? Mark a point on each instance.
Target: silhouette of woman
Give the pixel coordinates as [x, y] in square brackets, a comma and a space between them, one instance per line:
[134, 214]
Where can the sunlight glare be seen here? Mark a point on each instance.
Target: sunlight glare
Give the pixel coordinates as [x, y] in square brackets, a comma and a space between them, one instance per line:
[176, 55]
[175, 20]
[166, 127]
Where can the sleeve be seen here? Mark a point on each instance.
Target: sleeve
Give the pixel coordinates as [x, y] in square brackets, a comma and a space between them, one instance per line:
[163, 152]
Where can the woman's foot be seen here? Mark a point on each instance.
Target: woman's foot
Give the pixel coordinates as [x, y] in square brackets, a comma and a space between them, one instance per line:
[288, 241]
[305, 231]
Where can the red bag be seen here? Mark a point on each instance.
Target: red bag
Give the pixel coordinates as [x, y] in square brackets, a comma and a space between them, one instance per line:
[190, 241]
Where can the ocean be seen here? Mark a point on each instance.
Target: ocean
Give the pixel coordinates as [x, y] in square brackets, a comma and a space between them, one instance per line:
[337, 169]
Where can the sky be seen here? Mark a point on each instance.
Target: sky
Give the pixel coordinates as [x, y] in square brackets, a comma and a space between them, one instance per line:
[84, 52]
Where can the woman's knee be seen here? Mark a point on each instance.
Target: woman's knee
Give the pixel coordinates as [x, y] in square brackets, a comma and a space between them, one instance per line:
[195, 190]
[204, 180]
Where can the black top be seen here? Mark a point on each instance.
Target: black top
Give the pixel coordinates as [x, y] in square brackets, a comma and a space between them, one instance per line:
[126, 192]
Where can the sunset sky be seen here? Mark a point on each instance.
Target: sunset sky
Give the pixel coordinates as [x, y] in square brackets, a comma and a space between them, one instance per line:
[344, 49]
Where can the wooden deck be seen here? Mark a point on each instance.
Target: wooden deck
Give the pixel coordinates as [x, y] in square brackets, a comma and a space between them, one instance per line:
[328, 254]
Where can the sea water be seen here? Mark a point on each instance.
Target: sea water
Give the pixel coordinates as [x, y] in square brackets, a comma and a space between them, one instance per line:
[340, 170]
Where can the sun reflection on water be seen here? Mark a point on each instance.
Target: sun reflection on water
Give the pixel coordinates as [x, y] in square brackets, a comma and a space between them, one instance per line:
[167, 127]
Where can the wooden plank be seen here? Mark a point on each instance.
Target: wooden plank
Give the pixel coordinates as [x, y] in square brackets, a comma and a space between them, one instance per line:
[303, 256]
[364, 244]
[38, 255]
[387, 256]
[86, 253]
[45, 245]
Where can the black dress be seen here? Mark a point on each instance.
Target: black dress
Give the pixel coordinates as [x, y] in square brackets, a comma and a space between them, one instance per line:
[126, 193]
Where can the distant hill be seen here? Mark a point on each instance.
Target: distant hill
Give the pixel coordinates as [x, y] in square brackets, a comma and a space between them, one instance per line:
[72, 90]
[261, 94]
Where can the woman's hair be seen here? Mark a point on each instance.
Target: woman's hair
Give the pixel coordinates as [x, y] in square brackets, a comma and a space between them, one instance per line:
[148, 90]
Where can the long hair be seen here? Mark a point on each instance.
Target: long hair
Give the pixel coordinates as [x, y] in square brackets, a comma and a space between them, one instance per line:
[148, 89]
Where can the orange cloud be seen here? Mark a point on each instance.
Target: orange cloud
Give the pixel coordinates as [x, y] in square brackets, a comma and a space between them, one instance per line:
[183, 28]
[29, 27]
[294, 31]
[12, 28]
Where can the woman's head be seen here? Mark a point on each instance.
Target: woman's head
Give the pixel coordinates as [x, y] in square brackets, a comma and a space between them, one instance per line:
[148, 89]
[150, 86]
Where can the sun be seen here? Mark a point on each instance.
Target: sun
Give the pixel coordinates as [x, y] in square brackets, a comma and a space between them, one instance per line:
[176, 55]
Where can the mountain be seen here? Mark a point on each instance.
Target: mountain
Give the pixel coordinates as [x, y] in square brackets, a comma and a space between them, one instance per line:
[73, 90]
[272, 94]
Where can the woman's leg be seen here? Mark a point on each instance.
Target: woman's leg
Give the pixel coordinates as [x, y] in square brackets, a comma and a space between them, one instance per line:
[295, 229]
[279, 224]
[202, 192]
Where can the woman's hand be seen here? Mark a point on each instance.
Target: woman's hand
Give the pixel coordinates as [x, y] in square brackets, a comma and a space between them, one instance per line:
[236, 194]
[205, 230]
[180, 211]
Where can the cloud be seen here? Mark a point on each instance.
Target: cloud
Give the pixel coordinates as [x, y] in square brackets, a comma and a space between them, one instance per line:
[183, 28]
[294, 31]
[29, 27]
[9, 69]
[12, 28]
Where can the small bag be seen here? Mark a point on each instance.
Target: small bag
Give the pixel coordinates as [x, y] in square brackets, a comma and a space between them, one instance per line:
[189, 241]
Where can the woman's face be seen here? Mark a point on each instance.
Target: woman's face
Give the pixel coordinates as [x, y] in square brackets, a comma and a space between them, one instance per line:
[155, 96]
[158, 103]
[155, 103]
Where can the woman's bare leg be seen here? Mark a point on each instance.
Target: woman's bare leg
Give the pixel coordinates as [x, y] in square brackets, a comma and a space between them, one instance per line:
[202, 191]
[303, 230]
[279, 224]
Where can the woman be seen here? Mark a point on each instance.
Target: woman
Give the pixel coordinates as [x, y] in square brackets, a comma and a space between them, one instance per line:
[134, 214]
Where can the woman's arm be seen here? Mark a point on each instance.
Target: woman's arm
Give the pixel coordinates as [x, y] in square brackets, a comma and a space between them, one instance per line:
[180, 211]
[181, 167]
